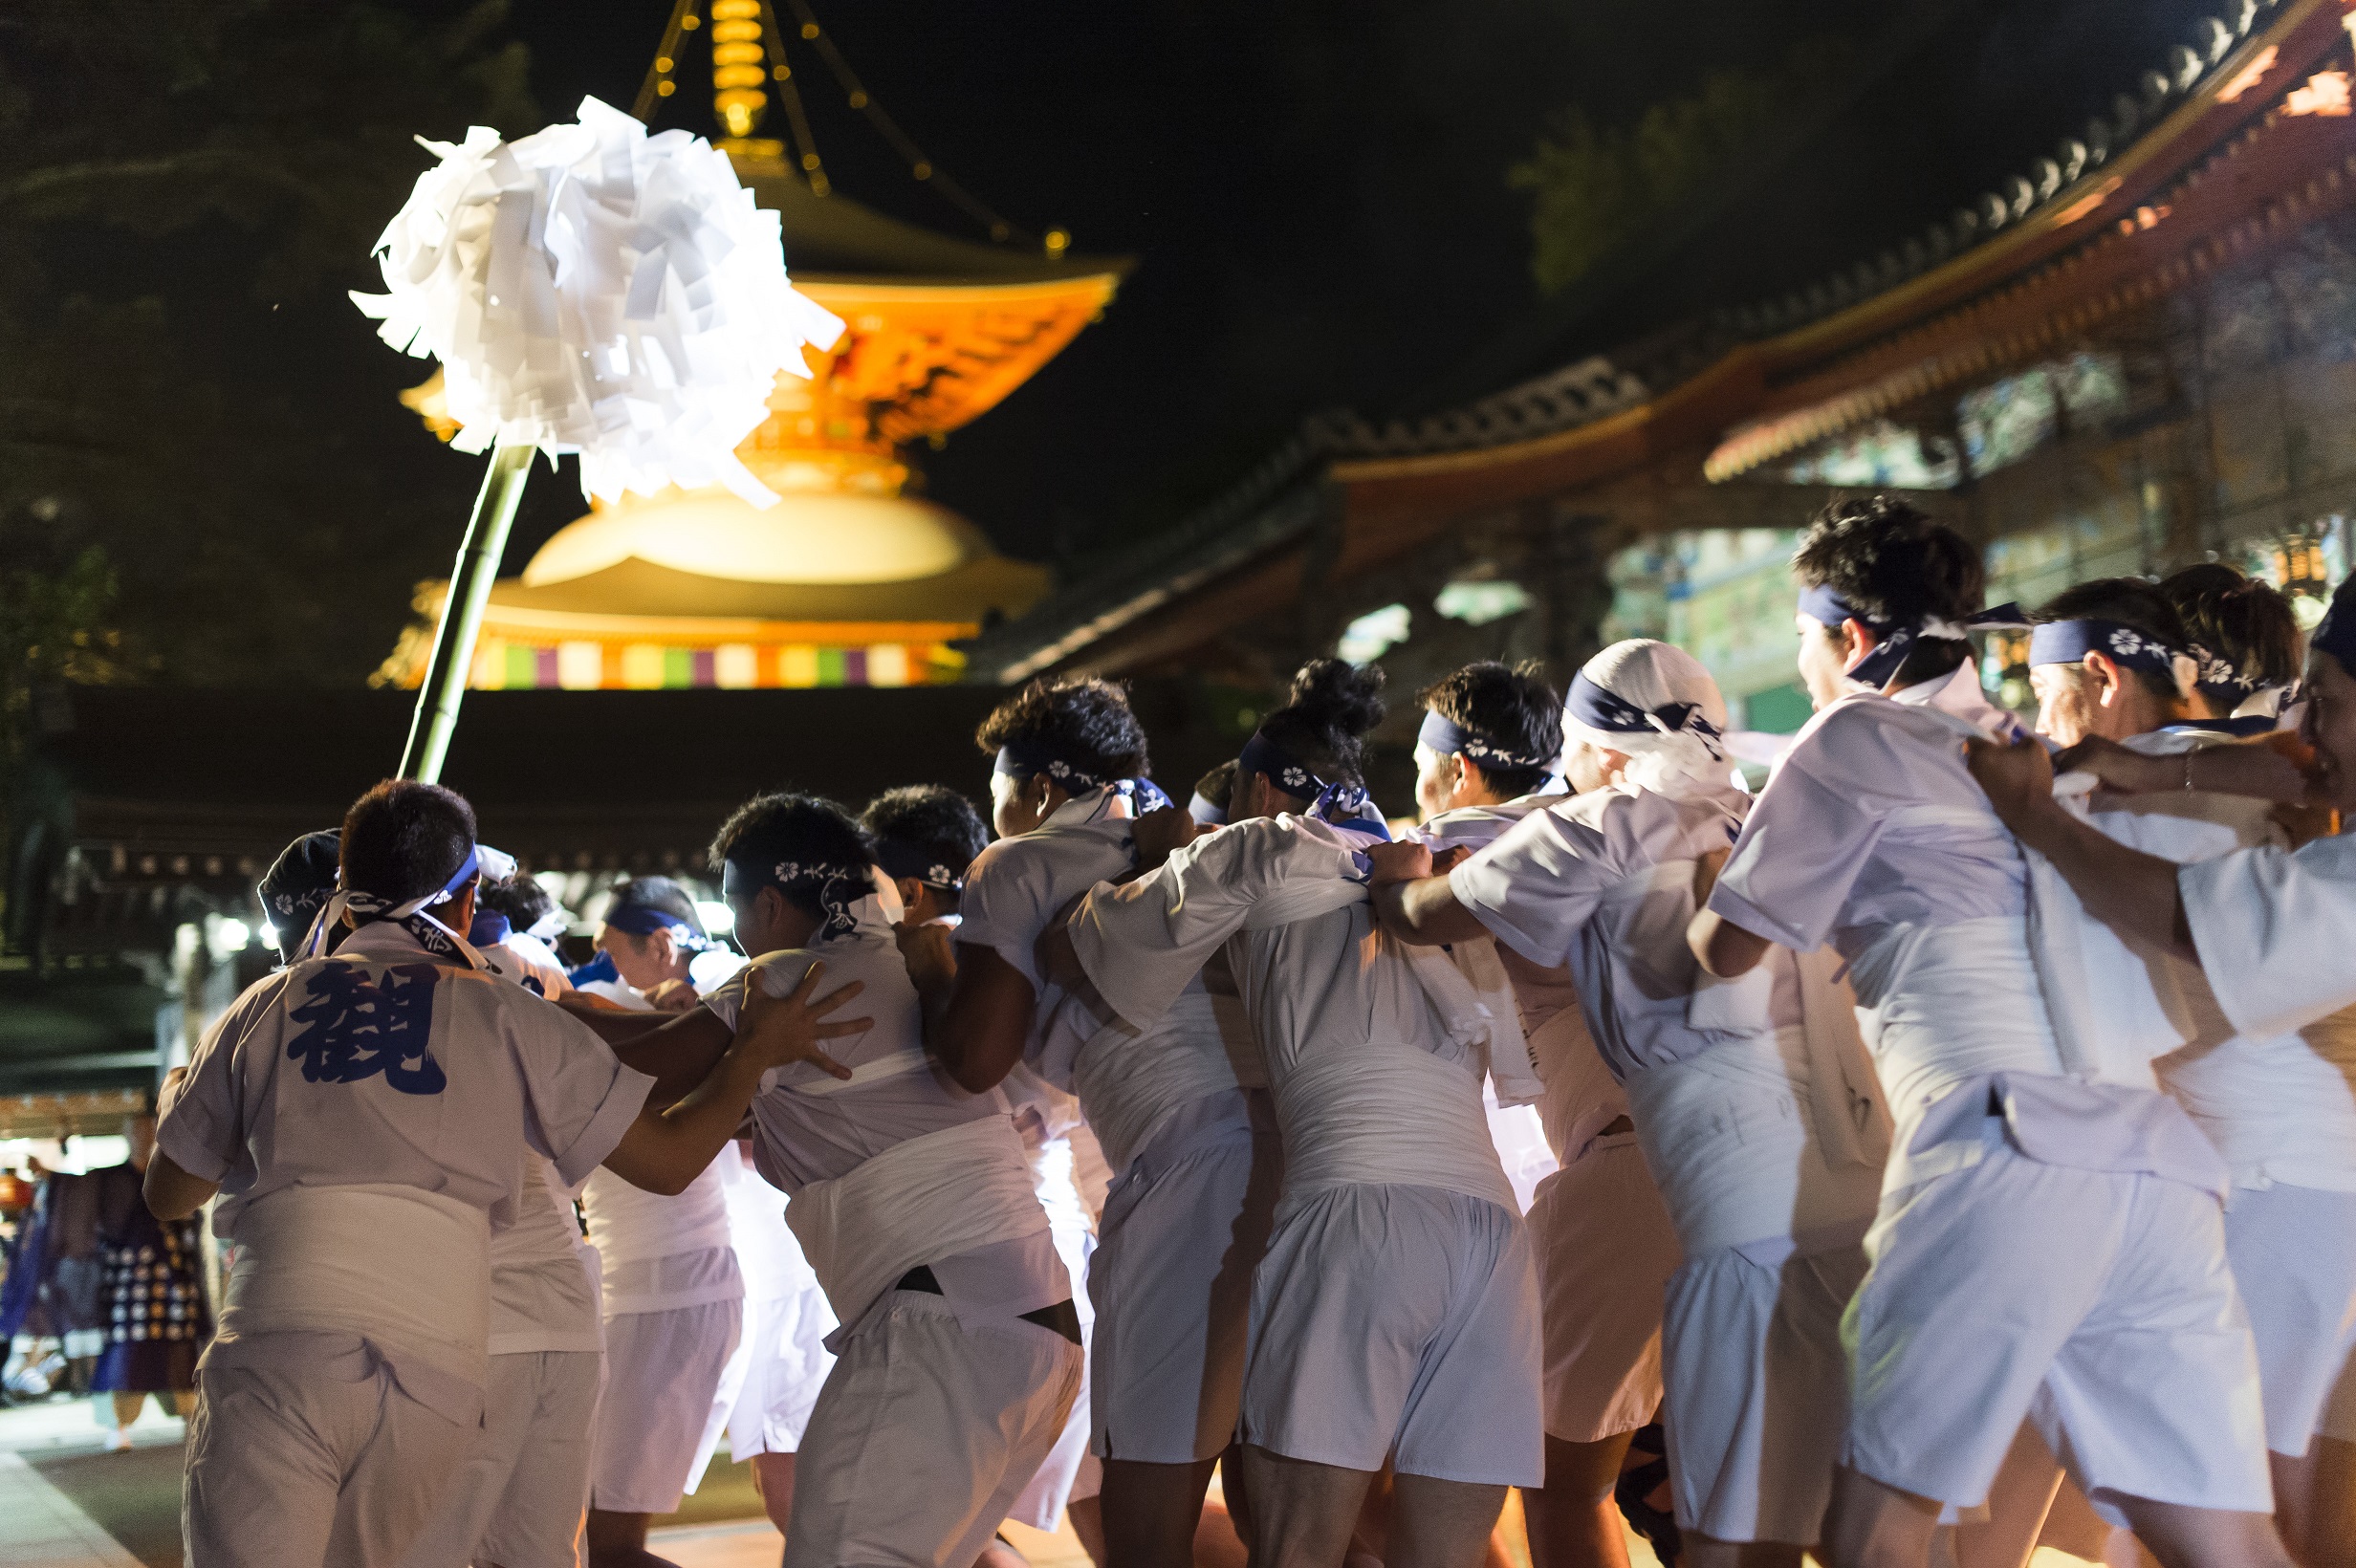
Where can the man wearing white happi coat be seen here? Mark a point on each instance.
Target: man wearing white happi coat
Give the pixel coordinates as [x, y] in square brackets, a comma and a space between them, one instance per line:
[957, 1357]
[366, 1117]
[2267, 928]
[1195, 1151]
[1490, 740]
[1753, 1102]
[2111, 661]
[672, 1298]
[2050, 1242]
[1395, 1314]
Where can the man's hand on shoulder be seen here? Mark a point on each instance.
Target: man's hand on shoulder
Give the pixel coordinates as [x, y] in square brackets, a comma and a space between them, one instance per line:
[931, 952]
[1158, 834]
[1401, 862]
[780, 1031]
[2017, 779]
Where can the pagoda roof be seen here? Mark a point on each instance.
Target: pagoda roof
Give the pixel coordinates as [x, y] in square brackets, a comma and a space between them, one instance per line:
[2206, 159]
[836, 239]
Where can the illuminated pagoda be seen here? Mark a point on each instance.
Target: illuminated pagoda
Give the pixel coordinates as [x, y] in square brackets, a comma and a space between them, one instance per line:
[851, 579]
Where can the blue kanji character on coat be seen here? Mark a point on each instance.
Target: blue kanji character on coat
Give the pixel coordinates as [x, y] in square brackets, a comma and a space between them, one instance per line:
[361, 1026]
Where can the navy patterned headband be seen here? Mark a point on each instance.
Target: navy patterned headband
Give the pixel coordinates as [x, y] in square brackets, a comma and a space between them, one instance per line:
[2068, 641]
[1893, 641]
[1448, 738]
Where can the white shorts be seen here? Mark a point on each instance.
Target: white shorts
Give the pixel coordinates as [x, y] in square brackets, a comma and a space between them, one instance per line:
[1172, 1280]
[1756, 1388]
[662, 1369]
[1606, 1249]
[325, 1459]
[1399, 1323]
[1069, 1473]
[2096, 1303]
[924, 1436]
[2293, 1251]
[786, 1363]
[518, 1500]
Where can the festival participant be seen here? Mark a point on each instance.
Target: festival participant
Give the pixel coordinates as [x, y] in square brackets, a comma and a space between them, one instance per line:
[295, 890]
[2246, 638]
[926, 836]
[958, 1354]
[1484, 760]
[2265, 926]
[1208, 804]
[1754, 1103]
[1395, 1312]
[352, 1353]
[646, 941]
[2278, 1108]
[151, 1296]
[1193, 1150]
[520, 916]
[2050, 1244]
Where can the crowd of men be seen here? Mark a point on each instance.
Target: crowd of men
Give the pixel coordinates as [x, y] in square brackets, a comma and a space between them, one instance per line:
[1963, 1117]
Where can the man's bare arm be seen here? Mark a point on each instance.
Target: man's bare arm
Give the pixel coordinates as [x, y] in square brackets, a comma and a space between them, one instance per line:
[171, 1192]
[986, 1022]
[680, 1049]
[1723, 948]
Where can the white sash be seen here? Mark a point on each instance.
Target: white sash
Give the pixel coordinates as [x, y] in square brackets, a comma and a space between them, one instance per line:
[1386, 1113]
[934, 1197]
[1130, 1083]
[406, 1270]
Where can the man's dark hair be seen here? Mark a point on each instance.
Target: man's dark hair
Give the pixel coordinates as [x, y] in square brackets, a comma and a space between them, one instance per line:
[1894, 563]
[2130, 601]
[1084, 721]
[918, 828]
[520, 897]
[660, 894]
[1512, 707]
[2245, 621]
[1326, 716]
[773, 830]
[1218, 784]
[404, 839]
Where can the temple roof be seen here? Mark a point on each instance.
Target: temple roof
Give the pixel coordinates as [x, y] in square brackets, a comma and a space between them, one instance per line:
[2117, 214]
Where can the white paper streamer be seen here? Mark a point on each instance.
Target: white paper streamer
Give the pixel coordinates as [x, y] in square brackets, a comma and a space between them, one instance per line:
[592, 289]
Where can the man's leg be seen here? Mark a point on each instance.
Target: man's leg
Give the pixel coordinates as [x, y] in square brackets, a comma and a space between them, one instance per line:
[1150, 1512]
[2018, 1504]
[1875, 1526]
[2205, 1537]
[1573, 1523]
[1301, 1512]
[2320, 1527]
[773, 1478]
[1441, 1524]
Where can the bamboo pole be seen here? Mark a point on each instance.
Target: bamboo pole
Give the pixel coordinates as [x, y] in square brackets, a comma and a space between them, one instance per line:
[452, 661]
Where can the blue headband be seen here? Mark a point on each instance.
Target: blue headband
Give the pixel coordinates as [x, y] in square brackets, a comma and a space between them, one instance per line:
[2219, 680]
[835, 888]
[1893, 641]
[1143, 793]
[489, 929]
[1592, 705]
[1024, 759]
[2336, 633]
[901, 858]
[1448, 738]
[1262, 755]
[2067, 642]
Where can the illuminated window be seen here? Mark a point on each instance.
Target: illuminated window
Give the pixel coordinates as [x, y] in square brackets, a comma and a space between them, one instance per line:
[1374, 634]
[1478, 603]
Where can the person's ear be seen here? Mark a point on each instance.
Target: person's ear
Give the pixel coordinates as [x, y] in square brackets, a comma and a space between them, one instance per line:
[1856, 640]
[2106, 681]
[911, 892]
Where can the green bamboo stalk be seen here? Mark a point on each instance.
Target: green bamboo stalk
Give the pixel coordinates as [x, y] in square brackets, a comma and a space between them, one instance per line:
[436, 719]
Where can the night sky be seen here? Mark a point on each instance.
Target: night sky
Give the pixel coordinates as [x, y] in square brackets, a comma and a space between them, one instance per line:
[1315, 192]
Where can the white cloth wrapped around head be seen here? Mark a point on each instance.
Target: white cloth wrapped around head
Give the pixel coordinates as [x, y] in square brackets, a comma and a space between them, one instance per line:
[592, 289]
[1656, 704]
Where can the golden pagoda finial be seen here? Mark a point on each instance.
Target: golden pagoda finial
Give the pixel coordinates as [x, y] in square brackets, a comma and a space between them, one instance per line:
[739, 74]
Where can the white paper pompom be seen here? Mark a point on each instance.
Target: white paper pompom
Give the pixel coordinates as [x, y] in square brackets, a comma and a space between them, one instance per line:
[592, 289]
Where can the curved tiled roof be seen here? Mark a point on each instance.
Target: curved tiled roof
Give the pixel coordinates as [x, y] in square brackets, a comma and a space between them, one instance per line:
[1218, 536]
